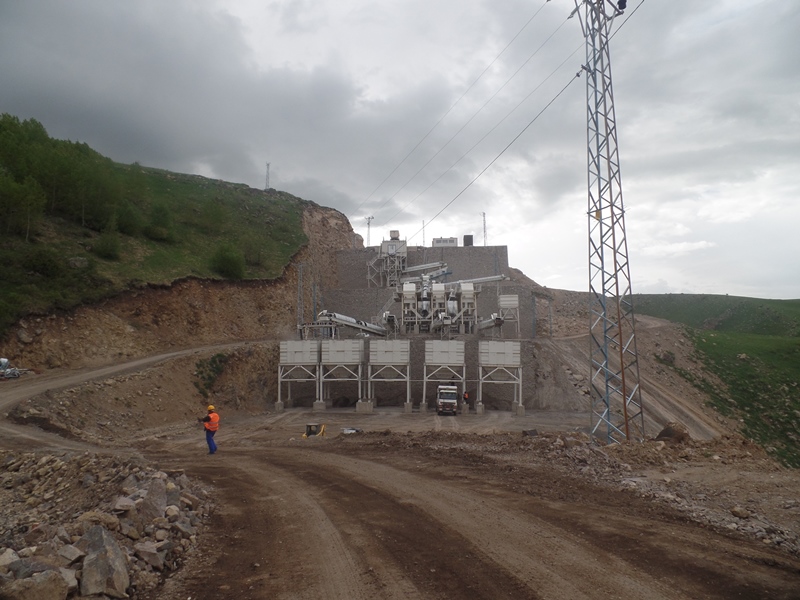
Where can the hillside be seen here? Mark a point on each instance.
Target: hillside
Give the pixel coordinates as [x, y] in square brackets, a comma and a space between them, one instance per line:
[752, 349]
[77, 227]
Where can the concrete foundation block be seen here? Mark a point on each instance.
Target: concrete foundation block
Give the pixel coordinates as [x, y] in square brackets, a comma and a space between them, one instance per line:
[519, 410]
[364, 406]
[318, 405]
[464, 408]
[479, 408]
[423, 407]
[278, 407]
[408, 407]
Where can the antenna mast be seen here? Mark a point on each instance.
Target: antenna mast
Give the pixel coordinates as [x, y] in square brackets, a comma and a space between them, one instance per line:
[617, 413]
[266, 189]
[483, 214]
[369, 222]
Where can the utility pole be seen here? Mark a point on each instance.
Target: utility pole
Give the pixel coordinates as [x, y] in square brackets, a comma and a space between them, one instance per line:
[423, 234]
[369, 221]
[483, 214]
[617, 412]
[300, 304]
[266, 189]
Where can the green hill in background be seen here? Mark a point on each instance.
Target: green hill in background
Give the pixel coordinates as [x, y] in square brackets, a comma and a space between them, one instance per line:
[724, 313]
[76, 227]
[751, 345]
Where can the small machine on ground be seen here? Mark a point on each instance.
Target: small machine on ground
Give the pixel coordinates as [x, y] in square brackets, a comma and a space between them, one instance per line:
[314, 429]
[446, 400]
[7, 371]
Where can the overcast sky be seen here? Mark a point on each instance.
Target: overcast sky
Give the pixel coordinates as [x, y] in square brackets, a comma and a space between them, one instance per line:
[391, 108]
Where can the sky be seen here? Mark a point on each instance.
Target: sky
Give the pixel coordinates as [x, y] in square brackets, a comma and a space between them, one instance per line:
[433, 116]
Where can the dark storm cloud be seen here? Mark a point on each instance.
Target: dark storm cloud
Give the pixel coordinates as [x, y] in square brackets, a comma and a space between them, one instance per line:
[335, 95]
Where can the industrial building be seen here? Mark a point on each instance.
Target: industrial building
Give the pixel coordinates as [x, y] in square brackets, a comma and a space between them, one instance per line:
[404, 319]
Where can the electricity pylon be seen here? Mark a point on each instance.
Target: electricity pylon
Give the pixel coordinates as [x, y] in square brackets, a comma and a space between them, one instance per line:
[617, 412]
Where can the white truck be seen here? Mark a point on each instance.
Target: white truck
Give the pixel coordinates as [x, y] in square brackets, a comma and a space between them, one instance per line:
[446, 399]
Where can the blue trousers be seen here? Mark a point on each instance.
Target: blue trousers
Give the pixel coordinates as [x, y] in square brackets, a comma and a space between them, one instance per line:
[212, 446]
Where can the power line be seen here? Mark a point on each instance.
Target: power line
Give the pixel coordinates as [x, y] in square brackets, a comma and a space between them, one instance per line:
[475, 114]
[446, 206]
[475, 145]
[495, 159]
[449, 110]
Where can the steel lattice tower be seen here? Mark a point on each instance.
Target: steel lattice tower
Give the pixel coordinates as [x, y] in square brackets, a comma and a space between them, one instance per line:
[617, 413]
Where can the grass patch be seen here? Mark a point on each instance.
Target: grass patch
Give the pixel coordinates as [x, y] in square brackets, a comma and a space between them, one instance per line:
[724, 313]
[753, 347]
[762, 386]
[207, 371]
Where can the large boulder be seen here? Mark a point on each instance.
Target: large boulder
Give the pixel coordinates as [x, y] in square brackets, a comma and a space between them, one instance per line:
[154, 504]
[47, 585]
[105, 569]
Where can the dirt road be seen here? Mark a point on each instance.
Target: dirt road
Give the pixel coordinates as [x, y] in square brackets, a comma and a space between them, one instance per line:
[371, 516]
[423, 506]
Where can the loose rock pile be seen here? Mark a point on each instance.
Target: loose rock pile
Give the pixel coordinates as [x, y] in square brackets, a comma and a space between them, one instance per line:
[651, 470]
[92, 525]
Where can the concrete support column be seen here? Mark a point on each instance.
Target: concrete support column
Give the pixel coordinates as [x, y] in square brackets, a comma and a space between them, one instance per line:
[318, 405]
[278, 406]
[408, 407]
[364, 406]
[479, 408]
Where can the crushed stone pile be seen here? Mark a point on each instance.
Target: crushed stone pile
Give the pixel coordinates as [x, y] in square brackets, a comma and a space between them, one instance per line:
[657, 470]
[93, 525]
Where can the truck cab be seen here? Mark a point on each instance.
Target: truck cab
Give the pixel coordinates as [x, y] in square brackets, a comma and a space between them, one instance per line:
[446, 399]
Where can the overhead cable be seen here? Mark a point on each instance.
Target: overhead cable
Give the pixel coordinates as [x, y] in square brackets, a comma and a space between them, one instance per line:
[520, 103]
[495, 159]
[446, 206]
[449, 110]
[485, 104]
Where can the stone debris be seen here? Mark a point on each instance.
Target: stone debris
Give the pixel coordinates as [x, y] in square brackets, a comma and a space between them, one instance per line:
[644, 469]
[89, 525]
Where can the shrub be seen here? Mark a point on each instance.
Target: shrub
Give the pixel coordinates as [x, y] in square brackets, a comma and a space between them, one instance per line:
[207, 373]
[228, 261]
[129, 219]
[44, 261]
[107, 246]
[160, 228]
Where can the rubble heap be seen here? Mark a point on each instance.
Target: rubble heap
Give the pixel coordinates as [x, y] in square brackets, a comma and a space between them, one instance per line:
[89, 525]
[655, 470]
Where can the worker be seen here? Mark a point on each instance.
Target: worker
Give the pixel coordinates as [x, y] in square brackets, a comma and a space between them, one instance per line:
[466, 397]
[211, 424]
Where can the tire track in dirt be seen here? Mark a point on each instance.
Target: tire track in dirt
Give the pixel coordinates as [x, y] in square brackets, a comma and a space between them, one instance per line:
[547, 561]
[559, 551]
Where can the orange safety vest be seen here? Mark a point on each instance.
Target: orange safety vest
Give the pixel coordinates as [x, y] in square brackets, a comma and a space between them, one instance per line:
[213, 424]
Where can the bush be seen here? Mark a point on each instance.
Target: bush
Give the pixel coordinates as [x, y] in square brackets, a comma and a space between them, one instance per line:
[207, 373]
[228, 261]
[107, 246]
[160, 228]
[45, 262]
[158, 234]
[129, 219]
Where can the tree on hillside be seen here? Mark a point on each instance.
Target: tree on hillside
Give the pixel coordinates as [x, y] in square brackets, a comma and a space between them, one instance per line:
[21, 206]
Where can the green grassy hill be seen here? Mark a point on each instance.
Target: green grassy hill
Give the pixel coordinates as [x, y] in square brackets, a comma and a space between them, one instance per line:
[753, 346]
[76, 227]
